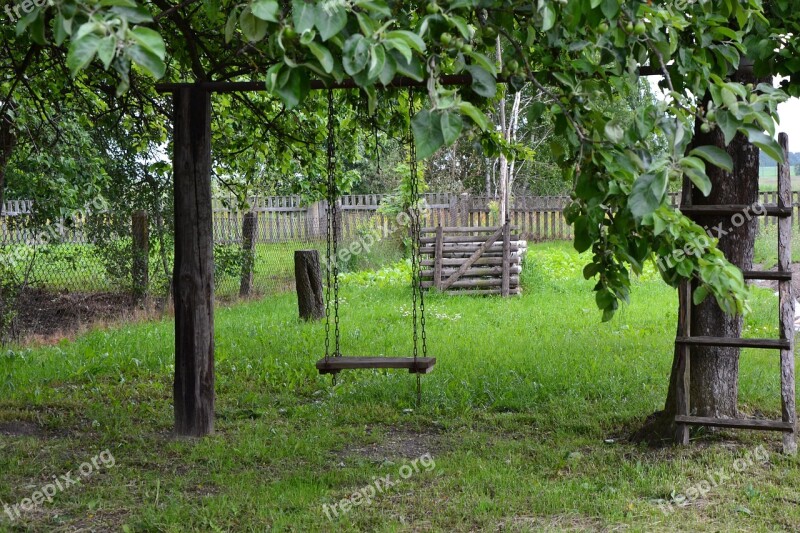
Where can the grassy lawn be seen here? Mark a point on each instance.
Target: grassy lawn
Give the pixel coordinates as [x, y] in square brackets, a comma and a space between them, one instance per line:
[522, 425]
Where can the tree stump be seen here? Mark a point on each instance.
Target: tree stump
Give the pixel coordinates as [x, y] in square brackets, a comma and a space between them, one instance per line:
[308, 280]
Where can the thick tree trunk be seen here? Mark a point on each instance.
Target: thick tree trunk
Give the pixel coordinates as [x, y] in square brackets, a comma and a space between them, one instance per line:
[308, 280]
[715, 371]
[193, 273]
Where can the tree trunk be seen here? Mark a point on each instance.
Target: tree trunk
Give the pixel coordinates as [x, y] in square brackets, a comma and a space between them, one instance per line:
[193, 272]
[308, 280]
[714, 371]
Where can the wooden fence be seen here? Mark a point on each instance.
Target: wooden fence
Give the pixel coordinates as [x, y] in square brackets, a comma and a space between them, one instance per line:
[287, 218]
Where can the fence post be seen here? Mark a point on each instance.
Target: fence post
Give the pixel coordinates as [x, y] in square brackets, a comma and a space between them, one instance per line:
[316, 219]
[141, 253]
[248, 253]
[464, 205]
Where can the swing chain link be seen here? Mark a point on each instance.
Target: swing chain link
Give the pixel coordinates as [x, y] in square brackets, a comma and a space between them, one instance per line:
[332, 234]
[416, 229]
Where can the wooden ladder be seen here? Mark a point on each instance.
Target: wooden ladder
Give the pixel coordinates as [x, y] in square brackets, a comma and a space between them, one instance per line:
[685, 340]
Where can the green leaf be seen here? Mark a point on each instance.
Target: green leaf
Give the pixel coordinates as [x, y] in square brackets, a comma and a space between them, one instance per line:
[477, 116]
[584, 238]
[323, 55]
[355, 54]
[700, 294]
[303, 15]
[268, 10]
[714, 155]
[230, 25]
[389, 70]
[428, 137]
[134, 15]
[610, 8]
[548, 17]
[150, 40]
[452, 124]
[81, 52]
[377, 59]
[700, 179]
[254, 29]
[769, 145]
[107, 50]
[409, 37]
[647, 194]
[483, 83]
[60, 29]
[614, 131]
[329, 21]
[292, 85]
[146, 59]
[728, 124]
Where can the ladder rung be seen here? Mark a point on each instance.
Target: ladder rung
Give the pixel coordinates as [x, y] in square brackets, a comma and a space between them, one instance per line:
[768, 344]
[738, 423]
[732, 209]
[767, 275]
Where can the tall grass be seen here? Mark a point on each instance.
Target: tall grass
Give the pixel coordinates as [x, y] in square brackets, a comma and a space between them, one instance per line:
[526, 415]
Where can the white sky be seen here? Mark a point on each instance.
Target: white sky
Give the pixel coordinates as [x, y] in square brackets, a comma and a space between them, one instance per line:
[789, 112]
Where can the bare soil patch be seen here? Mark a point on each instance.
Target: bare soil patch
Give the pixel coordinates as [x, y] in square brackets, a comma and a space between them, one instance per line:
[399, 444]
[16, 428]
[47, 317]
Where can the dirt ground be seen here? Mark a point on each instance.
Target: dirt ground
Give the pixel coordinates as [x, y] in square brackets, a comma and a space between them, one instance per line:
[47, 317]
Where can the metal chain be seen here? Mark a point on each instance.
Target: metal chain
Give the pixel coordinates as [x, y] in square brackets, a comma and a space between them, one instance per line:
[332, 234]
[328, 237]
[416, 228]
[333, 198]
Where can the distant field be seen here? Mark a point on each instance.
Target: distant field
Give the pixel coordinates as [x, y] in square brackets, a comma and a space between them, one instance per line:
[768, 179]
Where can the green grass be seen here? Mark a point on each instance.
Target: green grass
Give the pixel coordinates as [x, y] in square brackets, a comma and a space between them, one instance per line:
[525, 416]
[766, 245]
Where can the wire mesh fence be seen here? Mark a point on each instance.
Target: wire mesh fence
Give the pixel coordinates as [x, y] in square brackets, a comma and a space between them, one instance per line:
[97, 251]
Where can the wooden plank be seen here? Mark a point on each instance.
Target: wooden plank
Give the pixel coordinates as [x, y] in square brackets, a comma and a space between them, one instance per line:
[419, 365]
[729, 342]
[767, 274]
[456, 262]
[483, 292]
[506, 257]
[468, 248]
[786, 302]
[468, 263]
[731, 209]
[465, 229]
[193, 270]
[475, 271]
[437, 268]
[682, 382]
[475, 282]
[450, 239]
[735, 423]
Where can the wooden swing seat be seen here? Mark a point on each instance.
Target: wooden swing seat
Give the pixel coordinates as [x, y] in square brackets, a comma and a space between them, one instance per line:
[334, 365]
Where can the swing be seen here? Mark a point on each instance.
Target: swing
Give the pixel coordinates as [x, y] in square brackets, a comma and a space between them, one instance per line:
[334, 362]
